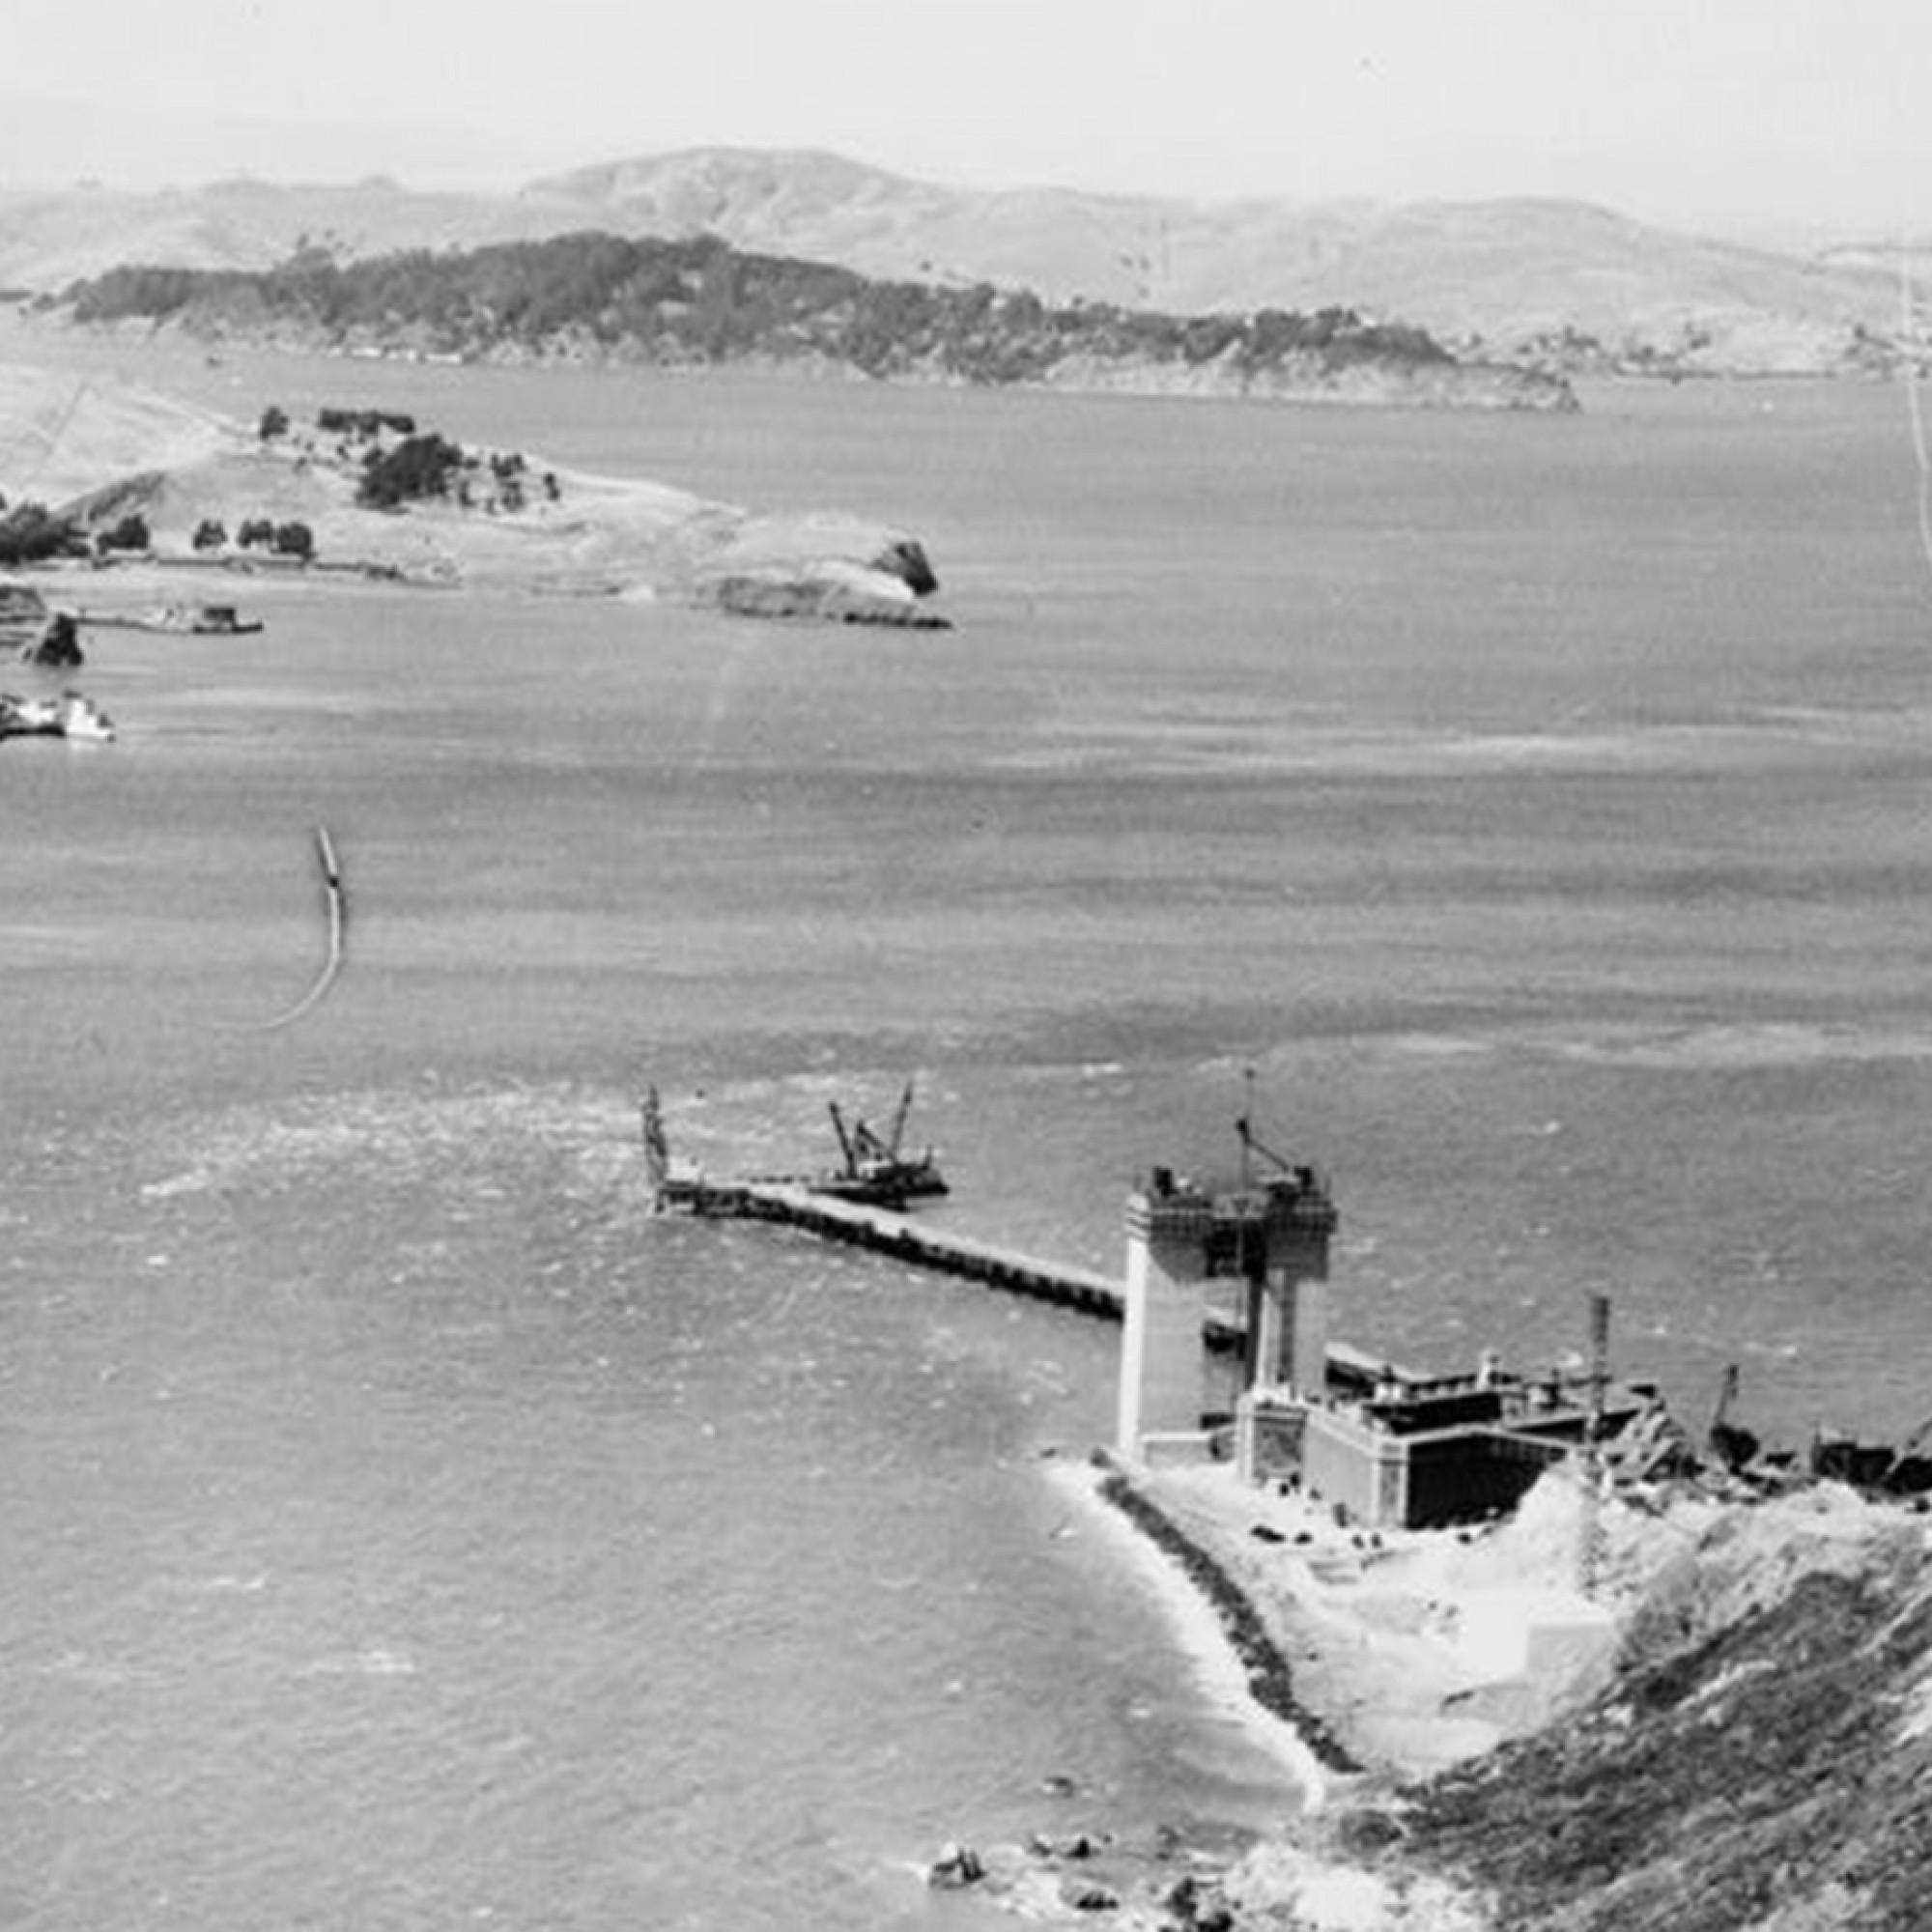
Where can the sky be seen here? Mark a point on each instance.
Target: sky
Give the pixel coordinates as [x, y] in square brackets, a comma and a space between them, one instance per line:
[1724, 116]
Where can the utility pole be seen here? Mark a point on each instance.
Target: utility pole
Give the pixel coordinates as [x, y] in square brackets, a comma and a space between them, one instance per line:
[1592, 1552]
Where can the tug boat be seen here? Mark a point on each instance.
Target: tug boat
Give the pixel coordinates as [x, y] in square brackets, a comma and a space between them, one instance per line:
[180, 620]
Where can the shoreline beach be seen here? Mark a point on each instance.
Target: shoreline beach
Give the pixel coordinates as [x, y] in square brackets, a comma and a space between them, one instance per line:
[1382, 1642]
[1201, 1637]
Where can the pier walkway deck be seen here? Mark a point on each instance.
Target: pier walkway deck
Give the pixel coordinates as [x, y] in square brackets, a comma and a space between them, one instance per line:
[922, 1244]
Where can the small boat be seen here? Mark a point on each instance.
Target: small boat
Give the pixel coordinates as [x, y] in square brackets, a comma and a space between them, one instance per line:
[68, 716]
[215, 620]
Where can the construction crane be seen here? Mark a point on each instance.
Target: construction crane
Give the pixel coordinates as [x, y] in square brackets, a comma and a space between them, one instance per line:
[1732, 1446]
[873, 1170]
[847, 1152]
[860, 1144]
[1251, 1144]
[900, 1114]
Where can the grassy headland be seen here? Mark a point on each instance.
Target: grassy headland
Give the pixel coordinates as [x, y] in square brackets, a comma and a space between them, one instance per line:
[373, 492]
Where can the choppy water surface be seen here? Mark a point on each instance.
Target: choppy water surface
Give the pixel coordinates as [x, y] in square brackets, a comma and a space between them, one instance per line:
[420, 1534]
[403, 1529]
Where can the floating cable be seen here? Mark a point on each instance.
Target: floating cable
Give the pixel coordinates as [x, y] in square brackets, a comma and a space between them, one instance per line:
[1908, 331]
[338, 911]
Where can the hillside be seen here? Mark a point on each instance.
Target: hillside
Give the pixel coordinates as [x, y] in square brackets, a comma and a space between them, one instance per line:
[49, 240]
[1761, 1760]
[598, 298]
[1576, 284]
[1495, 277]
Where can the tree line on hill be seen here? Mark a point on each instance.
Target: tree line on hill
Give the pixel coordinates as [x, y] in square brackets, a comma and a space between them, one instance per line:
[30, 533]
[698, 300]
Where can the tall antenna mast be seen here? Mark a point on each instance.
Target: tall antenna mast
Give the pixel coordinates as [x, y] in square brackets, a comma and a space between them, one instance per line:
[1907, 328]
[1592, 1553]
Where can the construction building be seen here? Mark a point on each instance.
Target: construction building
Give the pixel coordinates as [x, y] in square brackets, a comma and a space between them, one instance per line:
[1382, 1445]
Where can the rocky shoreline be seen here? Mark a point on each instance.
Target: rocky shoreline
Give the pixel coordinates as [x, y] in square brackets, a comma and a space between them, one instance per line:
[1269, 1680]
[1753, 1747]
[1306, 383]
[1300, 382]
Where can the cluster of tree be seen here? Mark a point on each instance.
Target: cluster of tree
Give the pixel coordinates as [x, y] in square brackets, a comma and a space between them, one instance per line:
[698, 300]
[132, 532]
[31, 534]
[430, 465]
[289, 539]
[417, 466]
[136, 290]
[364, 422]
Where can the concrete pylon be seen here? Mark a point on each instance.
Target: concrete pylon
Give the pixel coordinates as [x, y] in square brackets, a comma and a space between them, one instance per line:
[1289, 1307]
[1162, 1367]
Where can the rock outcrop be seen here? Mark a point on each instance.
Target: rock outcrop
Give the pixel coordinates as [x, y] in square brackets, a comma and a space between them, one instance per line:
[837, 568]
[56, 645]
[833, 592]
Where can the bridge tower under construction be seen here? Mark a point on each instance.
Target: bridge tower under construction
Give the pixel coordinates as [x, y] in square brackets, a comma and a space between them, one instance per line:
[1269, 1239]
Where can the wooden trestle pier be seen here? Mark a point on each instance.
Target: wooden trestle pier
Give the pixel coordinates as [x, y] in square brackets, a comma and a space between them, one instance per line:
[922, 1244]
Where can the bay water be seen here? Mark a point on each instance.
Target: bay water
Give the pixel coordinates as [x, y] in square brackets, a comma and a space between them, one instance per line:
[403, 1528]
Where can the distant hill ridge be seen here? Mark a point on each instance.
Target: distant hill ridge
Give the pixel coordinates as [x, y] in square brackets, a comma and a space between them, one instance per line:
[1572, 284]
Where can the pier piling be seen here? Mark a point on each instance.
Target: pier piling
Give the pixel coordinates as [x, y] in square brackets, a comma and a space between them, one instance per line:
[921, 1244]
